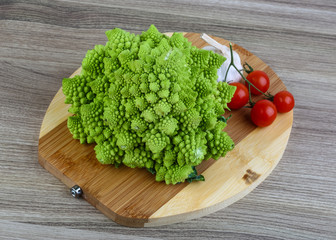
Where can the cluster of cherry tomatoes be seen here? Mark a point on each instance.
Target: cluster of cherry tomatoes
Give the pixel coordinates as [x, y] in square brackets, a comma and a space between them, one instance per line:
[264, 111]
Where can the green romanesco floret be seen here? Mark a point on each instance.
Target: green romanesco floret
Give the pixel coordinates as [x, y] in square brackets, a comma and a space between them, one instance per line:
[100, 86]
[153, 34]
[139, 125]
[92, 119]
[173, 174]
[150, 101]
[149, 115]
[162, 108]
[225, 93]
[76, 128]
[108, 152]
[169, 156]
[168, 126]
[138, 158]
[218, 142]
[114, 116]
[192, 148]
[93, 63]
[179, 41]
[120, 40]
[140, 102]
[156, 141]
[77, 91]
[208, 113]
[126, 140]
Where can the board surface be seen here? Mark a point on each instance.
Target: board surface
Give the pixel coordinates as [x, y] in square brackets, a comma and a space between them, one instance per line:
[131, 197]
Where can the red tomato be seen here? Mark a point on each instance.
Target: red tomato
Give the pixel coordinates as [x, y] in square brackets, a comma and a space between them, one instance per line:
[263, 113]
[284, 101]
[240, 97]
[260, 80]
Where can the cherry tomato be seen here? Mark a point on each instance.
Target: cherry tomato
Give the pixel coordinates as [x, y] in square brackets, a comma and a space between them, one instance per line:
[260, 80]
[284, 101]
[240, 97]
[263, 113]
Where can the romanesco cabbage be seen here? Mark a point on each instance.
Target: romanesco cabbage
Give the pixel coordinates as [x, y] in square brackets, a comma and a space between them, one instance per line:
[150, 101]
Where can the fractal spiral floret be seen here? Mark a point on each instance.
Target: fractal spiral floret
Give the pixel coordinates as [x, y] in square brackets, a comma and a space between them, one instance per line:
[150, 101]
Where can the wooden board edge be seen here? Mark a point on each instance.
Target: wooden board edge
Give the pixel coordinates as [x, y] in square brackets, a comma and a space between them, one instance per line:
[122, 220]
[51, 169]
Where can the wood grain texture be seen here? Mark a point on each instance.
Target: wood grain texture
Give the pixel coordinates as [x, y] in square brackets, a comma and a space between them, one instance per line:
[42, 42]
[132, 198]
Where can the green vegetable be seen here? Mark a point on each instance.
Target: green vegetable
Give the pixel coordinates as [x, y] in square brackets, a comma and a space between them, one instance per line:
[150, 101]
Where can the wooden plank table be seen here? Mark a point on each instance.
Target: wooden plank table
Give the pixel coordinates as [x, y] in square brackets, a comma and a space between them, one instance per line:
[43, 42]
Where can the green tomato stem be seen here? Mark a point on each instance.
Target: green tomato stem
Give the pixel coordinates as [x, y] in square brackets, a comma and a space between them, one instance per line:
[227, 72]
[249, 83]
[250, 97]
[249, 70]
[223, 119]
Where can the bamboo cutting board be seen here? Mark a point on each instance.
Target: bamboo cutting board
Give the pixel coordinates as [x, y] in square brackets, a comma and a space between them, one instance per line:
[131, 197]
